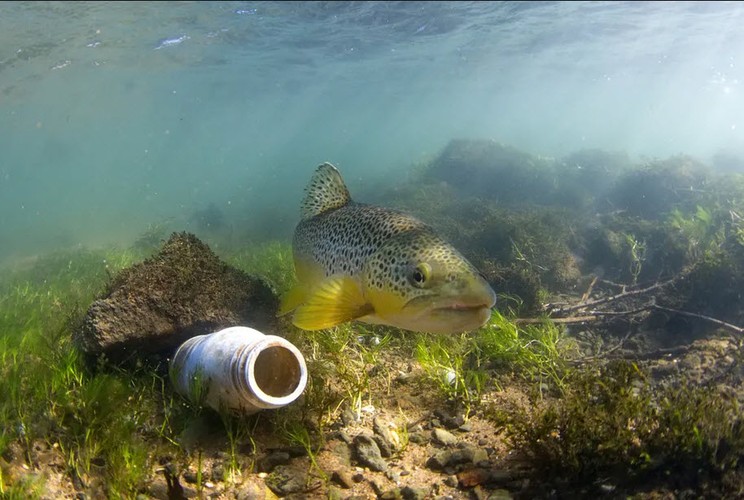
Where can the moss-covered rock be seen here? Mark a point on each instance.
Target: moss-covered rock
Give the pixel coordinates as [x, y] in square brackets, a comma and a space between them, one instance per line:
[489, 169]
[657, 188]
[182, 291]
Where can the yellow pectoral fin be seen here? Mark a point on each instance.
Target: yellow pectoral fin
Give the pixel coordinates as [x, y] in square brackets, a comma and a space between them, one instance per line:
[292, 299]
[336, 300]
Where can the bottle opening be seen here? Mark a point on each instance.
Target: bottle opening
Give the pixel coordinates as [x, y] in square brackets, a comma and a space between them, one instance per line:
[277, 371]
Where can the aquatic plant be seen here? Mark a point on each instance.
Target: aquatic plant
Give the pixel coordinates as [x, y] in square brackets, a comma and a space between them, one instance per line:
[701, 231]
[92, 418]
[271, 260]
[614, 430]
[462, 366]
[636, 256]
[445, 360]
[536, 352]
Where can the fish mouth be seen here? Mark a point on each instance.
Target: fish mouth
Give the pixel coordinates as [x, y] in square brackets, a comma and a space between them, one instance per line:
[455, 317]
[462, 308]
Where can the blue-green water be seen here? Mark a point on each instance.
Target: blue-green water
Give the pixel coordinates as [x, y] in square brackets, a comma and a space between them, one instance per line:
[115, 116]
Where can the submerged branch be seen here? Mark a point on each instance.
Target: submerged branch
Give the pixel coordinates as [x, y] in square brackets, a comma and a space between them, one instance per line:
[589, 316]
[718, 322]
[613, 298]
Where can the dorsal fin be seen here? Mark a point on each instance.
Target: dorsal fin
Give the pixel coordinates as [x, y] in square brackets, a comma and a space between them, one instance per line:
[325, 191]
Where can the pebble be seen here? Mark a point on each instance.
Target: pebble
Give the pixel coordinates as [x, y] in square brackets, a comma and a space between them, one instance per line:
[285, 480]
[348, 416]
[342, 478]
[448, 421]
[342, 436]
[384, 446]
[334, 493]
[474, 477]
[409, 493]
[368, 453]
[387, 441]
[273, 459]
[443, 437]
[218, 473]
[418, 438]
[342, 452]
[465, 454]
[250, 491]
[406, 493]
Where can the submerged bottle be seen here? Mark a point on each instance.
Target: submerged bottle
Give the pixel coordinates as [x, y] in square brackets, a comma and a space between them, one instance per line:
[239, 369]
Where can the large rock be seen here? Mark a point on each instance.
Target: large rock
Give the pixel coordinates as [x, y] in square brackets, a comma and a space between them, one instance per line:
[183, 291]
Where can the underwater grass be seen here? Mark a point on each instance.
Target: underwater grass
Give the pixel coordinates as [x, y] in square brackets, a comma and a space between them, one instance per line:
[464, 366]
[94, 420]
[613, 428]
[272, 260]
[344, 367]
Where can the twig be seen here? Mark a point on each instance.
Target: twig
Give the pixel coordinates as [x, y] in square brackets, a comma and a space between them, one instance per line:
[735, 328]
[604, 354]
[588, 292]
[571, 319]
[613, 298]
[590, 316]
[658, 353]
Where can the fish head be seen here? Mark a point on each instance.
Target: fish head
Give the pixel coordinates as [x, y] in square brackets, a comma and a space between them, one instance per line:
[419, 282]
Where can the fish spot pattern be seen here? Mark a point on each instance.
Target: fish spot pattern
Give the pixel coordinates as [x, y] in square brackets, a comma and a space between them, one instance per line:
[381, 246]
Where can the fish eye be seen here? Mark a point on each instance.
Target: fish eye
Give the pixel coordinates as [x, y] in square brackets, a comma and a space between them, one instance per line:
[421, 275]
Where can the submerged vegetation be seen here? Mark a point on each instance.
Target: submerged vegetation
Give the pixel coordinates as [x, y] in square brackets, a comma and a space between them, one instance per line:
[614, 430]
[600, 412]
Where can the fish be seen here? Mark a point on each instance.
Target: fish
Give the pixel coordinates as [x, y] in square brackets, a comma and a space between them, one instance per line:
[362, 262]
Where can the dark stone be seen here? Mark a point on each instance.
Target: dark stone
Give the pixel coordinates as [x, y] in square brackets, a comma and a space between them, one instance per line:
[218, 473]
[342, 452]
[342, 436]
[368, 453]
[285, 480]
[292, 451]
[443, 437]
[418, 438]
[376, 487]
[384, 438]
[474, 477]
[342, 478]
[250, 491]
[189, 477]
[183, 291]
[348, 416]
[409, 493]
[393, 494]
[451, 481]
[449, 421]
[439, 460]
[467, 454]
[273, 459]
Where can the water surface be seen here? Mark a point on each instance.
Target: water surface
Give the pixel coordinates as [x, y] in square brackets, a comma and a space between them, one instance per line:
[116, 116]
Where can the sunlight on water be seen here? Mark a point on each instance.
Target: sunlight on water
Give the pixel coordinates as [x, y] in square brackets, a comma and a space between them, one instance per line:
[115, 116]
